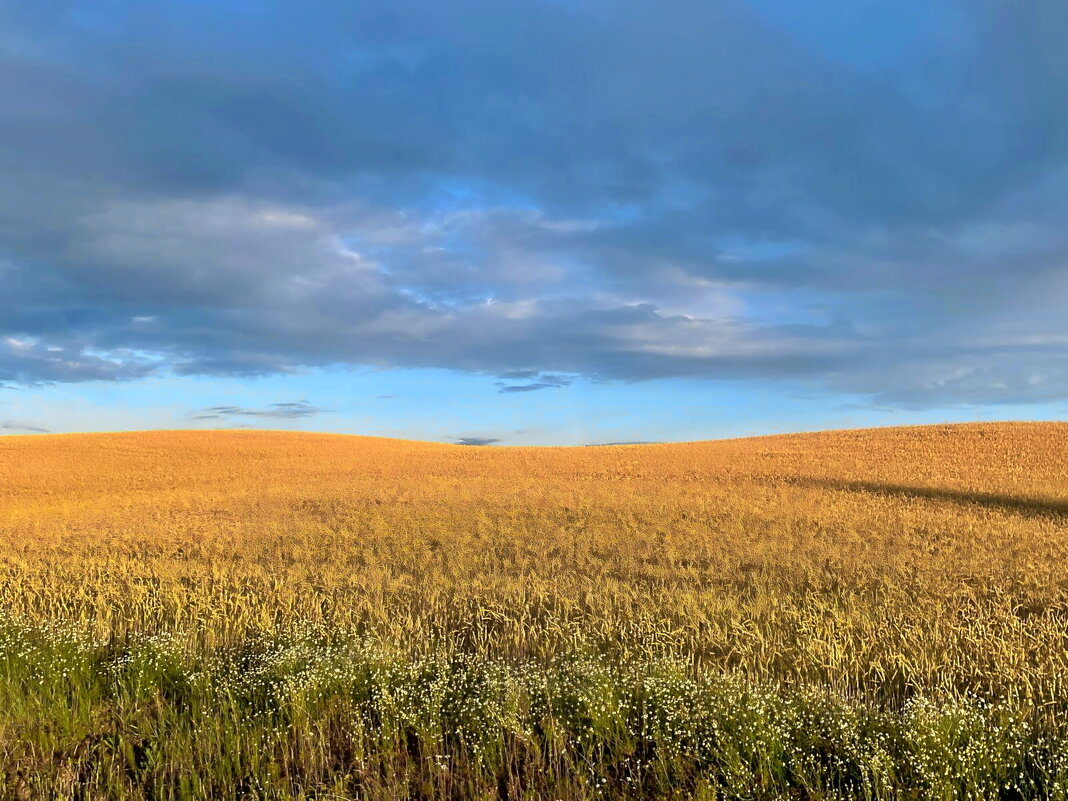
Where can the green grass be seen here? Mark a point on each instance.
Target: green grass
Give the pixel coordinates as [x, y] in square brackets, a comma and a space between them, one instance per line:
[325, 716]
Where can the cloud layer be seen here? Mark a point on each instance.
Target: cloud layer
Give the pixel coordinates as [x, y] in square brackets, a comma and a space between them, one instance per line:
[537, 192]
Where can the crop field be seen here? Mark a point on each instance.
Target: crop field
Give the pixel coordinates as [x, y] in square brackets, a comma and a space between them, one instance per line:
[240, 614]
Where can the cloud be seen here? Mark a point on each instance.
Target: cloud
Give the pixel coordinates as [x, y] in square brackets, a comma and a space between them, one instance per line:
[545, 381]
[527, 190]
[26, 428]
[281, 411]
[527, 387]
[28, 360]
[477, 441]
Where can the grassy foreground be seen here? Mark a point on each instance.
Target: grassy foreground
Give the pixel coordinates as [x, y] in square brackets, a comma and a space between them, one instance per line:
[865, 614]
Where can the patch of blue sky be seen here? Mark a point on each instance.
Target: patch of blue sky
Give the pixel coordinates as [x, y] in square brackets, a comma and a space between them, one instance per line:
[445, 406]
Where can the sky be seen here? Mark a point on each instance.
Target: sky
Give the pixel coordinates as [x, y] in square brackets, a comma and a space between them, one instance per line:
[534, 221]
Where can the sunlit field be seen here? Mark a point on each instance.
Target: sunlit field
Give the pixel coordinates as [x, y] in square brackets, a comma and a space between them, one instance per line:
[859, 614]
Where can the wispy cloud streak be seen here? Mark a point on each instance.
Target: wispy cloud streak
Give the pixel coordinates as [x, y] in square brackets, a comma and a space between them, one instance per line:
[281, 411]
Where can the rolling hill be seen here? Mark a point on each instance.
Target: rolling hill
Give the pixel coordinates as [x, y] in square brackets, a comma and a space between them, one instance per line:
[349, 614]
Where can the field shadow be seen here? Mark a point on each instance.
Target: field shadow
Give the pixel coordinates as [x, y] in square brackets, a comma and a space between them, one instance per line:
[1030, 507]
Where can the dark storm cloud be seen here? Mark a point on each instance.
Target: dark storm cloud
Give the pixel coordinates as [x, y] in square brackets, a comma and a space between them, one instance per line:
[613, 191]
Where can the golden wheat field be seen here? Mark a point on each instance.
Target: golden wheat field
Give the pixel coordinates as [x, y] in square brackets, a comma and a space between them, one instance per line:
[880, 569]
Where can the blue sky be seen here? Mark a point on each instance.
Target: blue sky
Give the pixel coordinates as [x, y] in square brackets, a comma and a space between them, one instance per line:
[532, 222]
